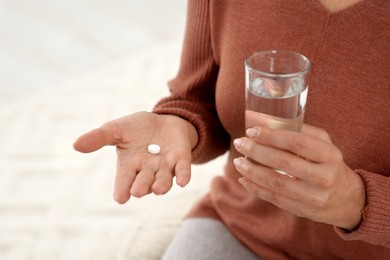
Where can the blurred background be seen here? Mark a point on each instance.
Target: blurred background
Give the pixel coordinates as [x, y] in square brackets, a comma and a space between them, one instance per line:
[67, 67]
[45, 43]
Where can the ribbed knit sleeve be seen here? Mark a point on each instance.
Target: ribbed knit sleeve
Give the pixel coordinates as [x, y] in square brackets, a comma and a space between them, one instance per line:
[375, 228]
[193, 89]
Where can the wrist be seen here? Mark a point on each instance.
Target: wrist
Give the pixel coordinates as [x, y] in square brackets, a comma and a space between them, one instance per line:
[363, 212]
[190, 129]
[193, 134]
[358, 204]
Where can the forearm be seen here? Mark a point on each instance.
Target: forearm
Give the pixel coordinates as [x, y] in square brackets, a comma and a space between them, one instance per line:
[193, 89]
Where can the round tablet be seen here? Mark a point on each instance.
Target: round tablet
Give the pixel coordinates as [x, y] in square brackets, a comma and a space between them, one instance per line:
[154, 148]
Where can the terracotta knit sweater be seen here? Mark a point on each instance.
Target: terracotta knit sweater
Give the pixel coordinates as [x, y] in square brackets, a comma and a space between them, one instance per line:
[349, 97]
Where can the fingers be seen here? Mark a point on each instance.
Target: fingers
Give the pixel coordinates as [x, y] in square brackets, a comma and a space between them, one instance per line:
[290, 204]
[281, 190]
[183, 172]
[162, 182]
[123, 181]
[152, 174]
[267, 178]
[162, 179]
[143, 183]
[128, 183]
[306, 146]
[315, 132]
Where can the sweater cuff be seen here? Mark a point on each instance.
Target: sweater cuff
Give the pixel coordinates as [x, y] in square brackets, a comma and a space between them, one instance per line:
[375, 227]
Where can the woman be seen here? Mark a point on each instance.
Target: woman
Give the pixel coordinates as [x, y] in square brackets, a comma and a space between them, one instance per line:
[337, 206]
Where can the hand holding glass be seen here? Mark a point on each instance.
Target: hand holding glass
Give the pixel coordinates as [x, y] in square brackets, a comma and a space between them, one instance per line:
[276, 87]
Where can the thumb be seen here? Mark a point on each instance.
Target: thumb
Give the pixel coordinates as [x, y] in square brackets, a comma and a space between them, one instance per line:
[94, 140]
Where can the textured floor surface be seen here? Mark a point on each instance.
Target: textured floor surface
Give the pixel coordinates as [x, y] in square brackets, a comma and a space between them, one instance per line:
[66, 67]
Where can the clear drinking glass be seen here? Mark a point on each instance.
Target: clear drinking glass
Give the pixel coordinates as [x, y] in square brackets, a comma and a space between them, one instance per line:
[276, 87]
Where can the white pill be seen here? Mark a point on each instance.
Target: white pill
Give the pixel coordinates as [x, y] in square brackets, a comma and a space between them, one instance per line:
[154, 148]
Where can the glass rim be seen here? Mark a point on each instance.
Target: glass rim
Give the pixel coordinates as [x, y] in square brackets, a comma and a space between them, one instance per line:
[306, 70]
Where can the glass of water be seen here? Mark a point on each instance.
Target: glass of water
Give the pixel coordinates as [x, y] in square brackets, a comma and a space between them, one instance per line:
[276, 87]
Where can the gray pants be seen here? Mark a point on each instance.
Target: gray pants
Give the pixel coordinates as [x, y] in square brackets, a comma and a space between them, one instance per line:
[206, 239]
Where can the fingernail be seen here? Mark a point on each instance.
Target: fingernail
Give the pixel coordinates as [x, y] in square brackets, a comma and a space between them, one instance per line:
[252, 132]
[237, 162]
[238, 143]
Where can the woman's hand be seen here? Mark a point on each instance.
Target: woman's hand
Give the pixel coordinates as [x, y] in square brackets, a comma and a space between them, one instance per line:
[322, 187]
[139, 172]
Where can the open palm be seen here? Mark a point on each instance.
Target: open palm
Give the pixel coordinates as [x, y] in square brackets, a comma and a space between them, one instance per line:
[138, 171]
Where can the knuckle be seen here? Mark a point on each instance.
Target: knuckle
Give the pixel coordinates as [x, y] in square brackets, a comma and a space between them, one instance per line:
[282, 161]
[276, 182]
[122, 179]
[247, 167]
[326, 181]
[337, 156]
[247, 145]
[251, 171]
[163, 179]
[334, 156]
[298, 142]
[323, 135]
[321, 201]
